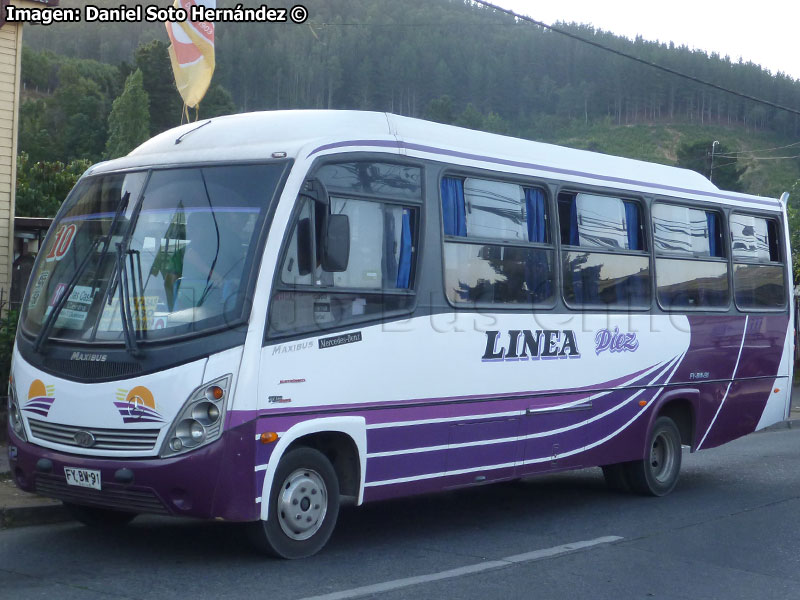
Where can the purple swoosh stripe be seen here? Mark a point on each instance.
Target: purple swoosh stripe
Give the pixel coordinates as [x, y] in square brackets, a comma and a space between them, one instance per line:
[525, 165]
[422, 435]
[609, 417]
[144, 410]
[443, 407]
[37, 411]
[141, 420]
[42, 400]
[44, 405]
[537, 449]
[139, 416]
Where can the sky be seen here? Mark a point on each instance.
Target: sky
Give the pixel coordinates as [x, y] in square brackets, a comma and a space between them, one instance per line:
[766, 32]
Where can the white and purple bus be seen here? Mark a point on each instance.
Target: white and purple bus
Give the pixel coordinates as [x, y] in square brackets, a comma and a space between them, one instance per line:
[258, 317]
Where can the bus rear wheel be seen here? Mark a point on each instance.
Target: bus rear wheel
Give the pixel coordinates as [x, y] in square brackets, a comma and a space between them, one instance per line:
[303, 506]
[93, 516]
[657, 473]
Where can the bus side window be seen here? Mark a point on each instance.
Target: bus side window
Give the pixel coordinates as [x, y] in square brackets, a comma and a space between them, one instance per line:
[691, 264]
[758, 270]
[605, 261]
[497, 247]
[378, 278]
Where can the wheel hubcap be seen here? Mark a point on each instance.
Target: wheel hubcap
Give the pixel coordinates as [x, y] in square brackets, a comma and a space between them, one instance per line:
[662, 457]
[302, 504]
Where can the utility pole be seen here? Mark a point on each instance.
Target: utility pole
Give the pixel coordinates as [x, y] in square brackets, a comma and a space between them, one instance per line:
[711, 174]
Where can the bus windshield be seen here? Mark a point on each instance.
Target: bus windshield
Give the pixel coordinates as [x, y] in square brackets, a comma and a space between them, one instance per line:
[169, 251]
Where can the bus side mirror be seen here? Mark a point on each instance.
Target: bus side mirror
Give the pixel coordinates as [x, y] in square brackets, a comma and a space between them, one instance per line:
[336, 244]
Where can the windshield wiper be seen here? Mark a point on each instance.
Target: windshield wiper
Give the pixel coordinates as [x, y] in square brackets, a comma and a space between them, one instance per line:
[131, 344]
[49, 322]
[121, 280]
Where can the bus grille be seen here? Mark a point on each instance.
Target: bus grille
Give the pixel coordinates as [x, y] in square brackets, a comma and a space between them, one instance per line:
[117, 497]
[135, 440]
[91, 371]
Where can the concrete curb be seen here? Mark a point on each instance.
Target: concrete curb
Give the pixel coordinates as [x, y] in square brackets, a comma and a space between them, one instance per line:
[21, 516]
[18, 508]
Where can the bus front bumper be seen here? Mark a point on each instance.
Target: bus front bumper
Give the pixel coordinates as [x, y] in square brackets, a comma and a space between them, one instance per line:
[215, 481]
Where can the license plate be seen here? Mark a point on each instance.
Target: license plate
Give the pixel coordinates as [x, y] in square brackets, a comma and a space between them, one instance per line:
[82, 477]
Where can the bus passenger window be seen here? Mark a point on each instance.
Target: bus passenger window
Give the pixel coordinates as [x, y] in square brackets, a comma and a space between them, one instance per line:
[691, 265]
[497, 246]
[758, 271]
[608, 266]
[379, 273]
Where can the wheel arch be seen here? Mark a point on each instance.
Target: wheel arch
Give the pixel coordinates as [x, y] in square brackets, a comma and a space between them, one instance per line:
[680, 405]
[348, 433]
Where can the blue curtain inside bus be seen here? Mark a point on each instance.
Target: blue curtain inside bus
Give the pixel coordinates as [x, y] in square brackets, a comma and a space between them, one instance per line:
[537, 226]
[637, 290]
[632, 224]
[714, 247]
[389, 262]
[538, 276]
[453, 212]
[404, 268]
[574, 237]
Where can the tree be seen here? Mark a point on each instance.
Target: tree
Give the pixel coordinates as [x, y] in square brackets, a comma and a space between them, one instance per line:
[441, 110]
[494, 123]
[129, 121]
[77, 114]
[159, 83]
[471, 118]
[218, 102]
[794, 229]
[34, 137]
[43, 186]
[697, 157]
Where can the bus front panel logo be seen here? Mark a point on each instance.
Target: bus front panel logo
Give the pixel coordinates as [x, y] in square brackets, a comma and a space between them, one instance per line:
[137, 406]
[40, 398]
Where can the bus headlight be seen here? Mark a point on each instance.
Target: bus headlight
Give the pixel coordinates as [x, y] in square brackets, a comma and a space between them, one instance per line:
[200, 420]
[14, 414]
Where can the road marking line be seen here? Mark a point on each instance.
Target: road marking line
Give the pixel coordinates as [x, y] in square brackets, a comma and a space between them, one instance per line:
[389, 586]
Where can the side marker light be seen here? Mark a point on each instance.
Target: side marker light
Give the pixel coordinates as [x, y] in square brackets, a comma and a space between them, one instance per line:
[642, 402]
[777, 390]
[268, 437]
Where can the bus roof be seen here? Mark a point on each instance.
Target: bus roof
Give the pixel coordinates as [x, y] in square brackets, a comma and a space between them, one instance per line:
[306, 134]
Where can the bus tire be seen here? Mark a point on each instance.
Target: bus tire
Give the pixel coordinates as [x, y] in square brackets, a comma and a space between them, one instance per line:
[93, 516]
[303, 508]
[657, 473]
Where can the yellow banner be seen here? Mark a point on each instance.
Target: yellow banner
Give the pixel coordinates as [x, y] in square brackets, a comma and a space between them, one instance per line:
[192, 53]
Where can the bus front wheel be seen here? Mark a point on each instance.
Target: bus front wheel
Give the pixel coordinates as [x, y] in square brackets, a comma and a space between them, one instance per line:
[303, 506]
[657, 473]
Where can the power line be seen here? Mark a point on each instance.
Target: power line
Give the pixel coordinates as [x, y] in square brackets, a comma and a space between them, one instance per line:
[727, 164]
[772, 157]
[741, 152]
[636, 58]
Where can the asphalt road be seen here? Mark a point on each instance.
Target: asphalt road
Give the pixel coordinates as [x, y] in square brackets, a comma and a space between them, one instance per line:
[730, 530]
